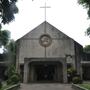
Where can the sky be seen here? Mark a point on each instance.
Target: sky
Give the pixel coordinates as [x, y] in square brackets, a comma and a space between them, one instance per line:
[66, 15]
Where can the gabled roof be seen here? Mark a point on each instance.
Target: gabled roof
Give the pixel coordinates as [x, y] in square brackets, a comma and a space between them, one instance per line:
[50, 29]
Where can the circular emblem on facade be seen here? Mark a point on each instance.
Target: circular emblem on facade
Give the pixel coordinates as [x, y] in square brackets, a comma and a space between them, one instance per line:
[45, 40]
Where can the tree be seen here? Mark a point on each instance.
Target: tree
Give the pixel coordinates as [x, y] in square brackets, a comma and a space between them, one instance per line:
[11, 51]
[86, 4]
[87, 48]
[7, 10]
[88, 31]
[4, 37]
[4, 40]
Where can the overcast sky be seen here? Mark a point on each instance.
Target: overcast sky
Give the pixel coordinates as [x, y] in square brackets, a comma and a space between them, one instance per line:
[66, 15]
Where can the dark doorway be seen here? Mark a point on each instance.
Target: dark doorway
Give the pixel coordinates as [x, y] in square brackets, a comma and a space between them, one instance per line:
[45, 72]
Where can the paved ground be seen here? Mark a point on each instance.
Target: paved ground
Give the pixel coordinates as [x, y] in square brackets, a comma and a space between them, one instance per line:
[46, 87]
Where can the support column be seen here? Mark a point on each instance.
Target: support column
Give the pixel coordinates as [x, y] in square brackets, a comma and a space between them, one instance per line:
[64, 71]
[55, 74]
[32, 77]
[79, 66]
[73, 62]
[60, 72]
[26, 72]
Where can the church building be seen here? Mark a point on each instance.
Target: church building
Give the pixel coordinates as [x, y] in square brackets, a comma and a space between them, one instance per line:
[45, 53]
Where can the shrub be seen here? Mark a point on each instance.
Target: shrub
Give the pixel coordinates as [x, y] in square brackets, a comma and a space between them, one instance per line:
[13, 76]
[14, 79]
[71, 72]
[11, 70]
[76, 80]
[0, 84]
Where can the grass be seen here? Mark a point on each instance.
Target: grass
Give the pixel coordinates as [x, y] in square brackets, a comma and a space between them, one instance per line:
[4, 86]
[86, 85]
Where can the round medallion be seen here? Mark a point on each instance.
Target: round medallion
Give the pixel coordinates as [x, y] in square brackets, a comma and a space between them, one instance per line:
[45, 40]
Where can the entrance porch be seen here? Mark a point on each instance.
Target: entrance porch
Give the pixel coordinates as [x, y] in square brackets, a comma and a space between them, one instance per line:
[45, 71]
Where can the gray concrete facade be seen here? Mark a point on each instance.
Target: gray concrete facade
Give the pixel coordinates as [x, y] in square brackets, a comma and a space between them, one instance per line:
[47, 43]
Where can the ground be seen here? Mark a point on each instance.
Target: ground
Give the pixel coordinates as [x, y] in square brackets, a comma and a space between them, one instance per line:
[54, 86]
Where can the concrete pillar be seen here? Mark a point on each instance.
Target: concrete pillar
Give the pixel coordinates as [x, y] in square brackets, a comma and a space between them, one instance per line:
[73, 62]
[79, 66]
[26, 72]
[64, 71]
[55, 74]
[32, 75]
[60, 72]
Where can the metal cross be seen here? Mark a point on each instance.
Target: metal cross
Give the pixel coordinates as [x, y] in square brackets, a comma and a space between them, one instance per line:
[45, 9]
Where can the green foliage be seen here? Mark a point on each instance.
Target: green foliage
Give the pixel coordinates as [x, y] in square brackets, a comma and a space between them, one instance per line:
[76, 80]
[87, 48]
[1, 85]
[86, 85]
[13, 76]
[11, 46]
[11, 71]
[4, 37]
[7, 10]
[71, 71]
[73, 76]
[87, 31]
[11, 51]
[86, 4]
[14, 79]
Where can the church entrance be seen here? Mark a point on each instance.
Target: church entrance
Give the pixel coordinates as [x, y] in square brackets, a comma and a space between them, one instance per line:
[45, 72]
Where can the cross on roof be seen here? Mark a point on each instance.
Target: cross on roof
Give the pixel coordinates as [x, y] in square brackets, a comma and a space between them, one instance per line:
[45, 7]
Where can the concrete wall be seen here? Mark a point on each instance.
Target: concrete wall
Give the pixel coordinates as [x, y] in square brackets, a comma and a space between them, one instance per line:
[29, 46]
[78, 57]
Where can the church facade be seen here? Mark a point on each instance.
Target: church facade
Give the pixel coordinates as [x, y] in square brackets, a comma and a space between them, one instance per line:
[45, 53]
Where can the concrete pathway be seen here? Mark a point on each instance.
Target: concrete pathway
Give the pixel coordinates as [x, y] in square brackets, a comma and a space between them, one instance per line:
[55, 86]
